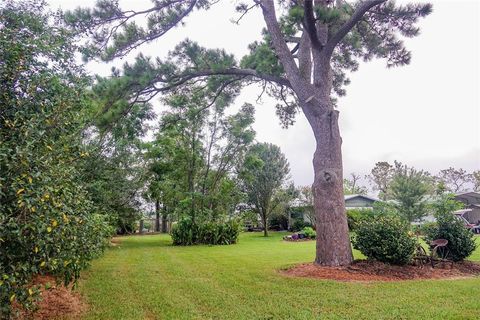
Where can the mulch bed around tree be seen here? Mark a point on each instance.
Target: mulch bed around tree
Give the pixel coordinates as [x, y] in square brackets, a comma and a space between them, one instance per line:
[367, 271]
[298, 240]
[56, 302]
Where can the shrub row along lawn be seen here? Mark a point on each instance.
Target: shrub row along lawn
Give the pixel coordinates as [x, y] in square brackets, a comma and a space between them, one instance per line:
[148, 278]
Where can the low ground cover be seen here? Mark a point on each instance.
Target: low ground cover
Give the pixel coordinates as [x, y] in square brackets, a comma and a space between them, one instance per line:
[147, 278]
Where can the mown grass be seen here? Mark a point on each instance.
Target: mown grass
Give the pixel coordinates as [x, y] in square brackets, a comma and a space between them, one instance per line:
[148, 278]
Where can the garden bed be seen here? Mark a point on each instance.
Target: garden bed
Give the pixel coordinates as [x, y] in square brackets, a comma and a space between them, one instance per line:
[365, 270]
[297, 240]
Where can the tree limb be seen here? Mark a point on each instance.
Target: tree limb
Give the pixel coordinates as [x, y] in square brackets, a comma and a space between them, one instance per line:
[347, 26]
[309, 22]
[298, 84]
[304, 58]
[181, 79]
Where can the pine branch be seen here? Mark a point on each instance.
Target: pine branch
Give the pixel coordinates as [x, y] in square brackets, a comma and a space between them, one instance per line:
[347, 26]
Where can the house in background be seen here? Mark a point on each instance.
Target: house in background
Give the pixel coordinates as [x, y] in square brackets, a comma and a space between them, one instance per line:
[352, 201]
[358, 201]
[471, 200]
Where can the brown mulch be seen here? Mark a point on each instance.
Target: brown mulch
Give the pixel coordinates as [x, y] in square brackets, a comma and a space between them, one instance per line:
[57, 302]
[298, 240]
[368, 271]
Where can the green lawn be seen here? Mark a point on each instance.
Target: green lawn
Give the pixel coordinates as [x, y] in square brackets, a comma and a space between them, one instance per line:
[147, 278]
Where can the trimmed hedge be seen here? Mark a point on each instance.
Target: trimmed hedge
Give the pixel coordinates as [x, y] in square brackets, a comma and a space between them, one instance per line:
[385, 239]
[186, 233]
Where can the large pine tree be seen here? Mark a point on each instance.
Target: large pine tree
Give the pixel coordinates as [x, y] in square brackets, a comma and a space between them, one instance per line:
[307, 50]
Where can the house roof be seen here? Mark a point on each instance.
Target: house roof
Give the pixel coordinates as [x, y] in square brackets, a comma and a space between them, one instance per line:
[352, 196]
[462, 211]
[469, 197]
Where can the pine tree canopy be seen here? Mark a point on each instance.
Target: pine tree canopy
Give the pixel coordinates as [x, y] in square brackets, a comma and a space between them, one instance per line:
[344, 32]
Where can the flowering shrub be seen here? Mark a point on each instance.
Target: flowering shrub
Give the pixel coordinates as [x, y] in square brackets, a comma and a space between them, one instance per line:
[47, 222]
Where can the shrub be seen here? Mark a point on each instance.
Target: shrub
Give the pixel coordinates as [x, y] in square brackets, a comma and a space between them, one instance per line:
[461, 241]
[186, 233]
[299, 224]
[309, 232]
[355, 215]
[278, 222]
[385, 239]
[48, 224]
[219, 233]
[422, 229]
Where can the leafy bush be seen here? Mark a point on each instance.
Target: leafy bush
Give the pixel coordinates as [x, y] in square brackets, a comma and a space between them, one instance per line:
[278, 222]
[385, 239]
[355, 215]
[299, 224]
[422, 229]
[186, 233]
[48, 224]
[309, 232]
[219, 233]
[461, 241]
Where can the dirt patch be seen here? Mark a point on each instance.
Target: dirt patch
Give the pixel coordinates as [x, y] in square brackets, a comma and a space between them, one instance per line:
[115, 241]
[57, 302]
[367, 271]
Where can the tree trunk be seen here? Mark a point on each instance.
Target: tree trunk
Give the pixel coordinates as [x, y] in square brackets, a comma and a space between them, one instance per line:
[264, 222]
[164, 223]
[333, 241]
[157, 215]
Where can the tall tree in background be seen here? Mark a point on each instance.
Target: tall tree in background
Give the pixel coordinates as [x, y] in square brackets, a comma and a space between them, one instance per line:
[114, 170]
[351, 185]
[381, 176]
[307, 50]
[192, 157]
[455, 180]
[476, 180]
[263, 174]
[409, 187]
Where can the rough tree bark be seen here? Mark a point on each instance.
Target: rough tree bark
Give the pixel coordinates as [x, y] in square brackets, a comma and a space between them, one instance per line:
[333, 242]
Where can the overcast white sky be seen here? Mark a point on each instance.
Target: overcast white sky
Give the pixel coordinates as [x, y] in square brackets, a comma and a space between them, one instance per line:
[426, 114]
